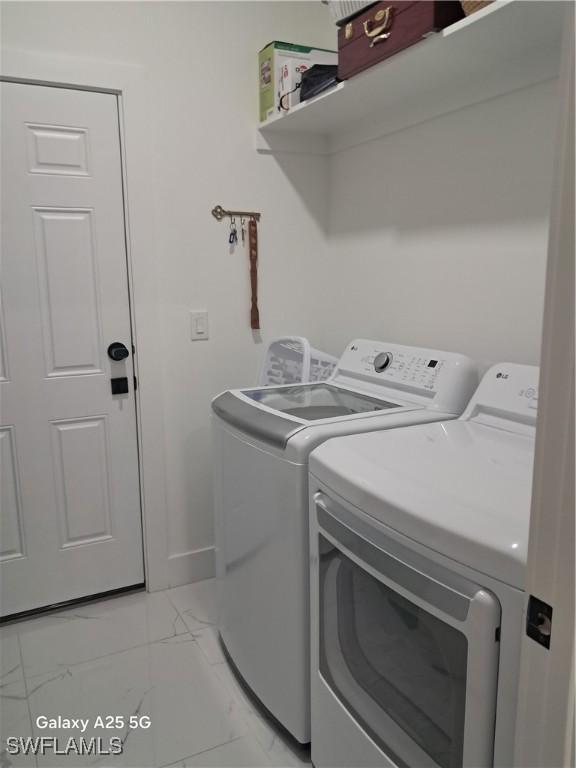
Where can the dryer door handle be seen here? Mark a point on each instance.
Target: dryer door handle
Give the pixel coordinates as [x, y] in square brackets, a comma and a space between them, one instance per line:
[436, 589]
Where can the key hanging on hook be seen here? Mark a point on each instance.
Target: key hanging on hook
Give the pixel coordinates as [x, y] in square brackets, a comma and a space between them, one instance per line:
[243, 230]
[233, 237]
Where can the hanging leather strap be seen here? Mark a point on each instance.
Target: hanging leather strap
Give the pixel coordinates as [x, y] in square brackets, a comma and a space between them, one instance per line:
[253, 250]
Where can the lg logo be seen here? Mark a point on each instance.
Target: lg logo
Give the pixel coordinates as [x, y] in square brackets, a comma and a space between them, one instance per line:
[501, 375]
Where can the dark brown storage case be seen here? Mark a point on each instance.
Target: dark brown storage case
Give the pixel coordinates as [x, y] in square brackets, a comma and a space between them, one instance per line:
[387, 28]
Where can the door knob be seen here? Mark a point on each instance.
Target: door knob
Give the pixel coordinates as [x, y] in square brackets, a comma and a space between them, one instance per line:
[117, 351]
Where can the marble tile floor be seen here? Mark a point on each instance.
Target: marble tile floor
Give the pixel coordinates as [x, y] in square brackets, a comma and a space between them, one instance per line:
[143, 655]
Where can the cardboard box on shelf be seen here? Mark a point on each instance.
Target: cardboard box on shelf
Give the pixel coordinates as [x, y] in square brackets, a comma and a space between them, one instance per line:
[280, 70]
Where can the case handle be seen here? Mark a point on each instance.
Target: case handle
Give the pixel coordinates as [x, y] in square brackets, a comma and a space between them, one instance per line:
[379, 33]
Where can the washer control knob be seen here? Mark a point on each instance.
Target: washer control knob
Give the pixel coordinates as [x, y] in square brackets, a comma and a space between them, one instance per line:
[382, 361]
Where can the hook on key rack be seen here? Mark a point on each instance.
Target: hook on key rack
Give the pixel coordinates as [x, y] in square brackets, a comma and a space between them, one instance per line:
[220, 213]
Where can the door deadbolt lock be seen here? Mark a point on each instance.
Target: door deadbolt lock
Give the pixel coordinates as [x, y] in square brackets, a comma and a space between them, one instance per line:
[117, 351]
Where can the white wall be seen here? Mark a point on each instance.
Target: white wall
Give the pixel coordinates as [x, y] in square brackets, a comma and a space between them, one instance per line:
[434, 236]
[200, 61]
[438, 233]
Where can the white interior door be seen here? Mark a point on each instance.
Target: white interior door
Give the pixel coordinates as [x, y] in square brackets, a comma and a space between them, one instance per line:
[69, 495]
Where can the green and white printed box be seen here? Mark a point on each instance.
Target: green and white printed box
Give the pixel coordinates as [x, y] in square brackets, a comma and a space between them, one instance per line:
[280, 71]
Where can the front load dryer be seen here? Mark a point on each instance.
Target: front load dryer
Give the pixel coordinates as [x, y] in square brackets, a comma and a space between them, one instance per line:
[418, 553]
[262, 439]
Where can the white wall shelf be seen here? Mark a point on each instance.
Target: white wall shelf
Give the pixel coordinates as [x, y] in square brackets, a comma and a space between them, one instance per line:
[506, 46]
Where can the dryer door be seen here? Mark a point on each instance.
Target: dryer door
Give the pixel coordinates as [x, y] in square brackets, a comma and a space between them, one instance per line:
[414, 660]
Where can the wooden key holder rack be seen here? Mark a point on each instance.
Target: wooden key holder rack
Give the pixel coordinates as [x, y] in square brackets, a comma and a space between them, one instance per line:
[253, 217]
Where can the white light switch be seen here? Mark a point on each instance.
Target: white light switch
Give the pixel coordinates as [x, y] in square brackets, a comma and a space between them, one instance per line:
[199, 325]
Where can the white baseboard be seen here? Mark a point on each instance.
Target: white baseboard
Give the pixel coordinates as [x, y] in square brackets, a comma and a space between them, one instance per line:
[187, 567]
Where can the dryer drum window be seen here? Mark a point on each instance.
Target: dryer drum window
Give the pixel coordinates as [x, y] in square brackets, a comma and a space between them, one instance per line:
[400, 671]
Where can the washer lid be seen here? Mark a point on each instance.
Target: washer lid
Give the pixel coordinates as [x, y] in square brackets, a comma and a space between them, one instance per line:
[460, 488]
[274, 414]
[317, 401]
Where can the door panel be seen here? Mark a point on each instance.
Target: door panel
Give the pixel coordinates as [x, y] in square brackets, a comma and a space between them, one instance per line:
[3, 363]
[11, 538]
[57, 149]
[80, 453]
[70, 511]
[68, 291]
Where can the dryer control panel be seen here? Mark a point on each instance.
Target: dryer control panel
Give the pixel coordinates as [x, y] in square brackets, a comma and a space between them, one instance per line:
[422, 374]
[507, 391]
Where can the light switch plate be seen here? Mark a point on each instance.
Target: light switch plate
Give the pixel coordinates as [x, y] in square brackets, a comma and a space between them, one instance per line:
[199, 325]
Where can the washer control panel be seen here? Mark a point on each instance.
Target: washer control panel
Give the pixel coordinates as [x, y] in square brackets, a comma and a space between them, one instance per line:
[421, 375]
[419, 368]
[415, 370]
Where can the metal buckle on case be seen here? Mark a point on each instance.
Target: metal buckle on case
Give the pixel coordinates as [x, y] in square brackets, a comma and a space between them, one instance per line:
[379, 33]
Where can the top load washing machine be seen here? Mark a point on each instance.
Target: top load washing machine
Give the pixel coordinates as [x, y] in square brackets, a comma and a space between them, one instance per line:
[418, 550]
[263, 438]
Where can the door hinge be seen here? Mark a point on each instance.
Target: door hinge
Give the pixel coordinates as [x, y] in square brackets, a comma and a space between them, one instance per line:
[539, 621]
